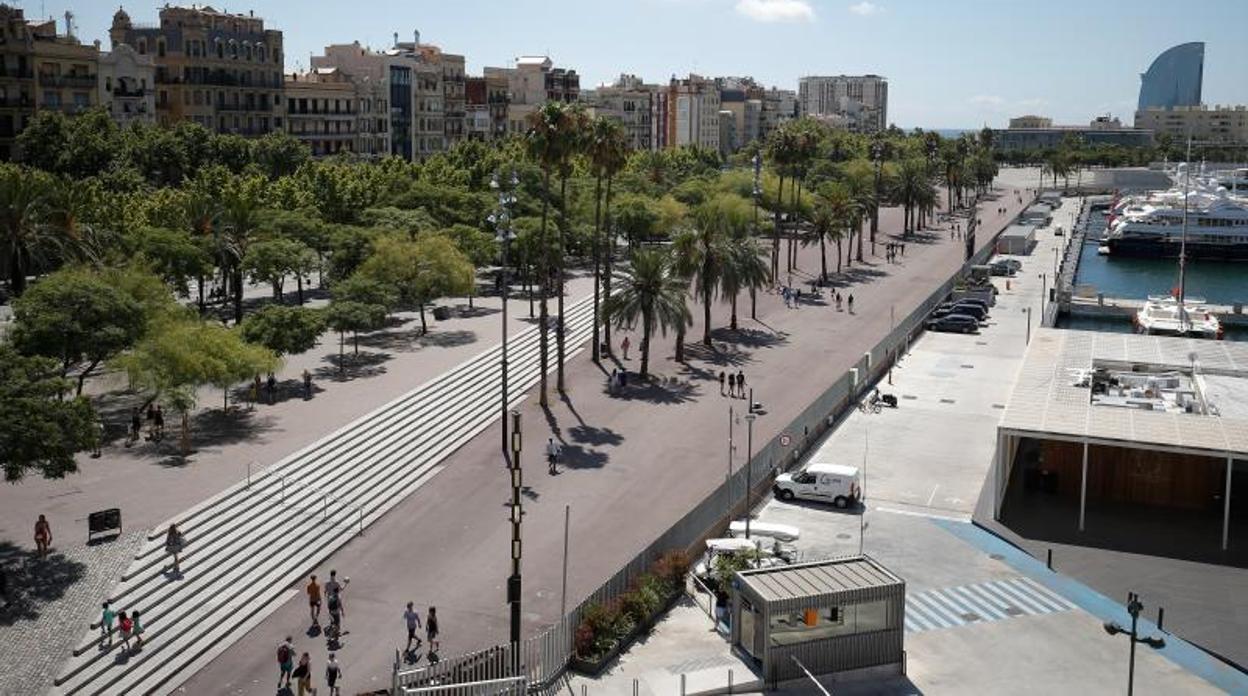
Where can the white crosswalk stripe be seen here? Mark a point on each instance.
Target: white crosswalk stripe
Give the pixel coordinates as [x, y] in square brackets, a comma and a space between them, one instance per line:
[994, 600]
[249, 544]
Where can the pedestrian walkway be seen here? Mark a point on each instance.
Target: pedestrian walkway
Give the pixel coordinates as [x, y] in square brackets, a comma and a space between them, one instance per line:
[994, 600]
[248, 544]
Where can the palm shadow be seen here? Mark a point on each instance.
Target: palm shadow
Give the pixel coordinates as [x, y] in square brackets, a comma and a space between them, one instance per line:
[32, 584]
[658, 390]
[414, 339]
[593, 436]
[577, 457]
[350, 366]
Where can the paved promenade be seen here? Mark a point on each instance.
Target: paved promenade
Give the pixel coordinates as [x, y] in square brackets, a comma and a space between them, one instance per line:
[633, 464]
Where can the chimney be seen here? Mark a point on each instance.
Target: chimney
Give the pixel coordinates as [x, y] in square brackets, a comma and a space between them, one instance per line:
[417, 37]
[396, 39]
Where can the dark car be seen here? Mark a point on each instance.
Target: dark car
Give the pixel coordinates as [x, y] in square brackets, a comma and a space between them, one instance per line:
[1002, 269]
[954, 323]
[974, 311]
[966, 302]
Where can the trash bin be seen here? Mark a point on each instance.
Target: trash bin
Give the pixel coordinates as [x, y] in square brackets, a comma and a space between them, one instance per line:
[441, 313]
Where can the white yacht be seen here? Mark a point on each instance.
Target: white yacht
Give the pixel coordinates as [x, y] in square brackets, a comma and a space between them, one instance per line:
[1217, 227]
[1166, 316]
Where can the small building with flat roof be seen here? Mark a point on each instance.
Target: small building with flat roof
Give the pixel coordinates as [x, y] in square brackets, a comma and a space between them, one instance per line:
[1127, 441]
[828, 616]
[1017, 239]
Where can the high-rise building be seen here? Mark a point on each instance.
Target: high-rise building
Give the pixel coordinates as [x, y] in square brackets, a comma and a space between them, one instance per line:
[1174, 78]
[125, 84]
[223, 71]
[778, 106]
[862, 100]
[728, 141]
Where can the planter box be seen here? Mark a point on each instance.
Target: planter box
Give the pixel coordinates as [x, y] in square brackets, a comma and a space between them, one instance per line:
[592, 668]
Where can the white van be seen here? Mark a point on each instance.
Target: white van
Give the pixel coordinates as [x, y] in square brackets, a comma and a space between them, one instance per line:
[831, 483]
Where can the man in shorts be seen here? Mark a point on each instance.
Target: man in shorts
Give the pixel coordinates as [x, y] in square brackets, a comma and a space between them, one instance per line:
[413, 623]
[314, 601]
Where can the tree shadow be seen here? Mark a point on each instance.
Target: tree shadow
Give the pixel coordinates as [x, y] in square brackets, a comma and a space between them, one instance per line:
[32, 583]
[724, 355]
[659, 390]
[749, 338]
[463, 311]
[577, 457]
[594, 436]
[351, 366]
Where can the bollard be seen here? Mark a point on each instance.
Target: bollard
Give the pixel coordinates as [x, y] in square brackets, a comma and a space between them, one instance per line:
[636, 687]
[584, 690]
[1161, 618]
[729, 682]
[1049, 561]
[682, 685]
[283, 489]
[361, 511]
[325, 502]
[248, 475]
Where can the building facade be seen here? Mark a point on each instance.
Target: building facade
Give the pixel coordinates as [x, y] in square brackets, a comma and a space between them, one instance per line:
[1174, 79]
[223, 71]
[631, 102]
[389, 80]
[125, 83]
[17, 77]
[322, 111]
[1030, 121]
[862, 99]
[66, 71]
[692, 113]
[531, 83]
[1217, 125]
[486, 106]
[1101, 131]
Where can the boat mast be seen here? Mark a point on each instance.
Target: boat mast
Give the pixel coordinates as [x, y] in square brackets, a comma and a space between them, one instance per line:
[1187, 178]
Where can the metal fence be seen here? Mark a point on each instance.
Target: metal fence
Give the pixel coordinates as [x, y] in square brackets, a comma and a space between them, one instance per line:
[544, 658]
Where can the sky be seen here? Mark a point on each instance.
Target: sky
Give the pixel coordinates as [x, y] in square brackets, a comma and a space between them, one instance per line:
[949, 63]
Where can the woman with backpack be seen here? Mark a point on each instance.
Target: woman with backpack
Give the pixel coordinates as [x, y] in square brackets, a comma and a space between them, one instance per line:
[303, 675]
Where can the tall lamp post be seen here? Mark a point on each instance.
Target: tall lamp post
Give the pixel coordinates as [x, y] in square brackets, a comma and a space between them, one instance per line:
[504, 235]
[517, 514]
[758, 196]
[749, 463]
[1134, 607]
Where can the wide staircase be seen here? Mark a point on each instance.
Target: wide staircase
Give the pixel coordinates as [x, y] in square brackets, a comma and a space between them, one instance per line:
[247, 547]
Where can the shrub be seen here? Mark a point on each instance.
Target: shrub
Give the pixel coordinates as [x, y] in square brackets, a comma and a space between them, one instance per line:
[672, 567]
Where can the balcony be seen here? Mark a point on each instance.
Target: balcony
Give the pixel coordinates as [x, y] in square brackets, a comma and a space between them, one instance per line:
[124, 93]
[16, 102]
[46, 80]
[259, 108]
[15, 73]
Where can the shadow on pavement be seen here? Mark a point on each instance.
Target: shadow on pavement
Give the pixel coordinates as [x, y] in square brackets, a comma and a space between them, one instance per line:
[658, 390]
[597, 437]
[351, 366]
[32, 583]
[413, 339]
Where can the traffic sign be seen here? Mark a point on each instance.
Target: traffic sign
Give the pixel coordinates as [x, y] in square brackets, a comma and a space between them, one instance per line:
[785, 440]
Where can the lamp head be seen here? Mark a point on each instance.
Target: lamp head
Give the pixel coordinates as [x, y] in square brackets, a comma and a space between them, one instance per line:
[1112, 628]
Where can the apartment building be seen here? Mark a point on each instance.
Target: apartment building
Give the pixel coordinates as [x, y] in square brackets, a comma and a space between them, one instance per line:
[125, 82]
[776, 107]
[17, 77]
[390, 76]
[372, 130]
[1206, 125]
[66, 71]
[486, 106]
[223, 71]
[631, 102]
[531, 83]
[322, 111]
[691, 113]
[862, 100]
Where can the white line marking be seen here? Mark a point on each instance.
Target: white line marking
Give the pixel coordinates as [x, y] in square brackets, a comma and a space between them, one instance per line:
[932, 497]
[913, 513]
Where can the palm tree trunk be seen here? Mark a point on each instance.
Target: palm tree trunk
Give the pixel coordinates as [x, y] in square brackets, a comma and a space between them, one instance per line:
[849, 257]
[17, 272]
[775, 232]
[860, 236]
[561, 262]
[596, 352]
[838, 252]
[299, 287]
[237, 280]
[342, 340]
[754, 303]
[733, 323]
[680, 344]
[200, 280]
[823, 259]
[645, 347]
[706, 317]
[424, 328]
[609, 252]
[797, 216]
[543, 277]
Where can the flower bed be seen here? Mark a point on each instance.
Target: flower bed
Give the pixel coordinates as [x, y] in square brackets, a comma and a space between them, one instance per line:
[608, 628]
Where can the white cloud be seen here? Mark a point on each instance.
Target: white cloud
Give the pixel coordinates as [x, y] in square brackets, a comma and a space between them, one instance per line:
[864, 8]
[986, 100]
[777, 10]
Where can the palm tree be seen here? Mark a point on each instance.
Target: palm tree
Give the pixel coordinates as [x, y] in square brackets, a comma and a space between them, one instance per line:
[744, 269]
[572, 140]
[608, 152]
[833, 214]
[805, 149]
[911, 178]
[545, 144]
[859, 178]
[781, 148]
[24, 213]
[949, 160]
[240, 216]
[201, 213]
[650, 295]
[701, 253]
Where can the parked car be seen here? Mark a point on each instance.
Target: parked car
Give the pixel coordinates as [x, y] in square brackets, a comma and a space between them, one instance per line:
[831, 483]
[954, 323]
[974, 311]
[965, 301]
[1013, 264]
[1000, 268]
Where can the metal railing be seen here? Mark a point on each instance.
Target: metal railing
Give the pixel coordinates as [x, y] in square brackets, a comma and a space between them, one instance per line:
[544, 658]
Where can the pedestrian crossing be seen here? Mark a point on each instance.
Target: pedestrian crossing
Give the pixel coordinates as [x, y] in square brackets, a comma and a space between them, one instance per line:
[994, 600]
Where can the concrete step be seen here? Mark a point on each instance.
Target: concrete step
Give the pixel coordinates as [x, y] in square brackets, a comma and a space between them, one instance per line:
[244, 552]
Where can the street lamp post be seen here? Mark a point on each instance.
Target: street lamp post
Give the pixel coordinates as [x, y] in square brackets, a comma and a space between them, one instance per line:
[504, 235]
[1134, 607]
[877, 155]
[517, 514]
[749, 463]
[758, 196]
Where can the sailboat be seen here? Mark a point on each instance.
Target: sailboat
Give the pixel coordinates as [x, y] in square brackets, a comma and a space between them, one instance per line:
[1176, 314]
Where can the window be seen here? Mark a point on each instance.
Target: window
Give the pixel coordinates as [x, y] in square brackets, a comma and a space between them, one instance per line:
[160, 47]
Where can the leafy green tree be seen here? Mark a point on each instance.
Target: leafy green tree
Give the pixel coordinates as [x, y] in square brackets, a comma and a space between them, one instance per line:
[364, 289]
[607, 151]
[39, 432]
[240, 218]
[284, 330]
[75, 316]
[173, 254]
[273, 260]
[409, 222]
[479, 246]
[420, 271]
[349, 246]
[278, 154]
[305, 226]
[649, 295]
[349, 316]
[27, 235]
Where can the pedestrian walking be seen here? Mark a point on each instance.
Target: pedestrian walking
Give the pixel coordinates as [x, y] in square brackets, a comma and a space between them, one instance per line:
[107, 617]
[552, 454]
[307, 385]
[612, 380]
[741, 383]
[337, 611]
[99, 438]
[136, 629]
[173, 546]
[159, 423]
[136, 427]
[332, 674]
[272, 385]
[431, 630]
[125, 624]
[151, 421]
[255, 390]
[797, 298]
[412, 619]
[314, 600]
[721, 383]
[903, 250]
[624, 345]
[850, 303]
[43, 537]
[303, 675]
[285, 662]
